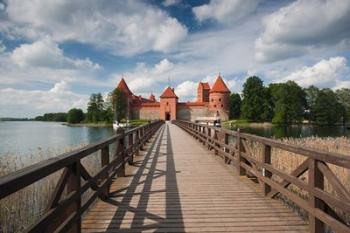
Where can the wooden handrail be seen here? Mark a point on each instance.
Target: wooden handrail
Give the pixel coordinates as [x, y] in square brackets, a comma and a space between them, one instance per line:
[320, 205]
[64, 211]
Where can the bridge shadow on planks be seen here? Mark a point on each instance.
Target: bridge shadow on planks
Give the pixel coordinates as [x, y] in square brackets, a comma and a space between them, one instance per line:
[140, 205]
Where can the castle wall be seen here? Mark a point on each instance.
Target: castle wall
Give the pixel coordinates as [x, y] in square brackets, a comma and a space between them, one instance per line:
[191, 113]
[146, 113]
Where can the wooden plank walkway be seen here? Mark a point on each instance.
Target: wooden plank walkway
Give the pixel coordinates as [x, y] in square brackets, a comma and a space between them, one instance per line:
[176, 185]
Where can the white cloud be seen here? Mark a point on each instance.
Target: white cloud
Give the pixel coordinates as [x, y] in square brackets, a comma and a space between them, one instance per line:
[145, 78]
[167, 3]
[225, 11]
[123, 27]
[46, 53]
[18, 102]
[2, 47]
[187, 90]
[331, 73]
[303, 26]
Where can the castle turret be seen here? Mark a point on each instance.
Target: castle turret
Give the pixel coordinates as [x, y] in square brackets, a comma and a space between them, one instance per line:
[219, 98]
[203, 92]
[122, 86]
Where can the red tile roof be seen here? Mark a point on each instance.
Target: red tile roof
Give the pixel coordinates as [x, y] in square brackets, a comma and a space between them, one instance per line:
[219, 86]
[168, 93]
[124, 87]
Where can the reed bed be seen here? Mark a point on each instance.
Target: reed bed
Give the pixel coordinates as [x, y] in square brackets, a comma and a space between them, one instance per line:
[23, 208]
[286, 161]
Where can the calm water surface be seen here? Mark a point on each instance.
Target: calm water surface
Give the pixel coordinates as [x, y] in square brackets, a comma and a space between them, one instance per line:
[21, 138]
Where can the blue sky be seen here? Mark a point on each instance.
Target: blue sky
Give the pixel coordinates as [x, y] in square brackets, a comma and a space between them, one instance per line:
[54, 54]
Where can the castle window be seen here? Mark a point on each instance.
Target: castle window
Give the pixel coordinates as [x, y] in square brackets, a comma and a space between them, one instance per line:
[222, 105]
[220, 99]
[212, 100]
[167, 103]
[214, 105]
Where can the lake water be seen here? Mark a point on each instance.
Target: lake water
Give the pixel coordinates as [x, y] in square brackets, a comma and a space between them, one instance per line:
[298, 131]
[23, 138]
[30, 137]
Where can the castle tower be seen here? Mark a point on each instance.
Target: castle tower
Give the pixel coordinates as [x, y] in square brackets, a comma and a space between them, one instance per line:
[168, 102]
[219, 99]
[203, 92]
[122, 86]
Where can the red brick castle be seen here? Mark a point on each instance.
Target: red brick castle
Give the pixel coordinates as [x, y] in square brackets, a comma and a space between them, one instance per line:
[211, 102]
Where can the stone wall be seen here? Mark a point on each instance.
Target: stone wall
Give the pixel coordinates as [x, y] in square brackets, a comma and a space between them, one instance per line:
[149, 113]
[191, 113]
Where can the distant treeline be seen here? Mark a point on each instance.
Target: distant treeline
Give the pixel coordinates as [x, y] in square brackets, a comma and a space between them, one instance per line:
[98, 110]
[288, 103]
[58, 116]
[15, 119]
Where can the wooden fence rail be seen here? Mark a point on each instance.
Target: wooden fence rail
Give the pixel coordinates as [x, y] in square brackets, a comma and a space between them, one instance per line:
[65, 207]
[324, 208]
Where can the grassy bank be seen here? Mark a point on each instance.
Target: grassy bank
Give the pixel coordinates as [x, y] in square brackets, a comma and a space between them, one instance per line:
[244, 123]
[134, 123]
[97, 125]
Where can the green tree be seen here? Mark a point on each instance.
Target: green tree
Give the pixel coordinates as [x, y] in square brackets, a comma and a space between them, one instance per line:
[235, 105]
[119, 104]
[311, 94]
[95, 108]
[256, 104]
[343, 96]
[289, 102]
[75, 115]
[327, 110]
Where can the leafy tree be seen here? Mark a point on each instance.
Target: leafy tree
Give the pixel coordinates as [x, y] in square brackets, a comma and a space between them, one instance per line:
[119, 104]
[256, 104]
[95, 108]
[59, 116]
[75, 115]
[288, 102]
[311, 95]
[235, 106]
[343, 96]
[327, 110]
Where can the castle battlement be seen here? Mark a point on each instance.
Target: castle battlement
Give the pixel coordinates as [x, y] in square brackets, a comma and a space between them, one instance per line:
[211, 102]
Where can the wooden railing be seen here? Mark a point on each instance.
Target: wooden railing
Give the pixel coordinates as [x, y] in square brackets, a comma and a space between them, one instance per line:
[65, 207]
[324, 208]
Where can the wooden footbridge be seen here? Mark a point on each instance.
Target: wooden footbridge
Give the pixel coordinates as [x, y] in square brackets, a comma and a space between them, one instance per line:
[186, 177]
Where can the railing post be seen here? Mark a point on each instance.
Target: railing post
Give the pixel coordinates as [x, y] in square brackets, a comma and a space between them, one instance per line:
[241, 171]
[316, 180]
[204, 134]
[225, 148]
[267, 173]
[131, 145]
[105, 162]
[137, 142]
[121, 152]
[209, 137]
[73, 185]
[216, 139]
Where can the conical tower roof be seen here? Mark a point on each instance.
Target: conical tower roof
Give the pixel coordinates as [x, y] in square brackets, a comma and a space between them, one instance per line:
[168, 93]
[220, 86]
[124, 87]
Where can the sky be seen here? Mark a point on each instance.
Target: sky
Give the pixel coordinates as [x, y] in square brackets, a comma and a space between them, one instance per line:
[55, 53]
